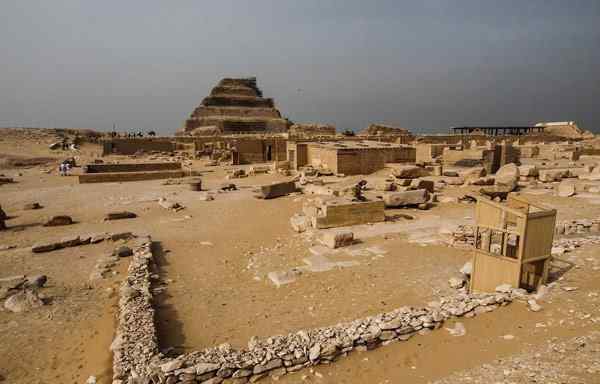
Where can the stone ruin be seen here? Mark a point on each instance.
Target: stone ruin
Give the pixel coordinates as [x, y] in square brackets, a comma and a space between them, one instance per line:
[234, 106]
[381, 129]
[137, 357]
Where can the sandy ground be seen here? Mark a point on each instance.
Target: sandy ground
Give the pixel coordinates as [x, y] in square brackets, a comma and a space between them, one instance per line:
[215, 258]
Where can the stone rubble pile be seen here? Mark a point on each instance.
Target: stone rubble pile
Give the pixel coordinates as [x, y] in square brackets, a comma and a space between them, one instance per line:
[137, 359]
[579, 226]
[463, 237]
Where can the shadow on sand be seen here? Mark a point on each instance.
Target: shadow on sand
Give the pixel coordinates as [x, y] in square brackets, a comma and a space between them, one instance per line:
[171, 339]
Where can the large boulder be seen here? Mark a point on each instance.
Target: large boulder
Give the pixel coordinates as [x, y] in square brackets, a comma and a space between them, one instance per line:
[409, 172]
[508, 176]
[402, 199]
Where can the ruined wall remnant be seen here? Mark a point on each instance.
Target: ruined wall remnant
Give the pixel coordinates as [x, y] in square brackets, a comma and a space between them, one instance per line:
[113, 177]
[381, 129]
[355, 157]
[137, 357]
[118, 146]
[311, 130]
[132, 167]
[236, 105]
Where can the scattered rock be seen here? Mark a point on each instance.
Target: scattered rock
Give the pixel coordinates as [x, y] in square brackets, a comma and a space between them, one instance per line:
[458, 330]
[299, 223]
[23, 301]
[97, 237]
[456, 282]
[123, 251]
[171, 205]
[71, 241]
[534, 306]
[44, 247]
[228, 187]
[31, 206]
[36, 281]
[121, 236]
[504, 288]
[337, 238]
[58, 221]
[205, 196]
[120, 215]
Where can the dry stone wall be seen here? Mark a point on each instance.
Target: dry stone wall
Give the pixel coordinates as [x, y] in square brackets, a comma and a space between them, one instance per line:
[137, 358]
[135, 347]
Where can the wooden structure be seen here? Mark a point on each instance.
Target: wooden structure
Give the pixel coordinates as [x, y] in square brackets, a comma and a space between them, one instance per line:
[497, 131]
[513, 244]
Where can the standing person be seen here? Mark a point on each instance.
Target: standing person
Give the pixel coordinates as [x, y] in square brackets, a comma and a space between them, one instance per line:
[67, 168]
[61, 169]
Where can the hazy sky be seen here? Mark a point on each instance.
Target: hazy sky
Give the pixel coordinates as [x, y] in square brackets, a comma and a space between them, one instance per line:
[425, 65]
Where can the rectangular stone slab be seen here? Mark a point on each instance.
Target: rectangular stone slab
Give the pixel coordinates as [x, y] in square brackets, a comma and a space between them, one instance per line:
[276, 190]
[350, 213]
[402, 199]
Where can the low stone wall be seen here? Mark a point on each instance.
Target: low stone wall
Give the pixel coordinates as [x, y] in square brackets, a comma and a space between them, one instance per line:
[137, 359]
[122, 146]
[135, 347]
[132, 167]
[113, 177]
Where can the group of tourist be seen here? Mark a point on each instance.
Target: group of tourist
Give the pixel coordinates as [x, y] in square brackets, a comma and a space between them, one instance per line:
[64, 168]
[132, 135]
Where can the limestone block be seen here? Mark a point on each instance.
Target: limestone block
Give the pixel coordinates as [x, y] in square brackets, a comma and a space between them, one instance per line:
[401, 199]
[276, 190]
[409, 172]
[337, 238]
